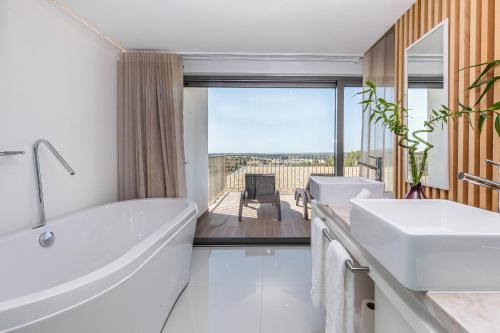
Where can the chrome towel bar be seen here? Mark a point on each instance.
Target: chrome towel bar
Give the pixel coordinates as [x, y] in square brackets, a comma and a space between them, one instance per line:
[11, 153]
[348, 263]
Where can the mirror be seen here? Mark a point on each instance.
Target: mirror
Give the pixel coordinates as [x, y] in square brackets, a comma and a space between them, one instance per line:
[426, 74]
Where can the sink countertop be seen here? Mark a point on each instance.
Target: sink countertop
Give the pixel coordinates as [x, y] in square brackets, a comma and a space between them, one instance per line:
[459, 312]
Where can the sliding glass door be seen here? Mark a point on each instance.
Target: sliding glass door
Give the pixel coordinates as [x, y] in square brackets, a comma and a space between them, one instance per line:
[286, 130]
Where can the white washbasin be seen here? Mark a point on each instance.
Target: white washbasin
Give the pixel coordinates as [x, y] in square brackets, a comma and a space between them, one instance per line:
[431, 245]
[339, 190]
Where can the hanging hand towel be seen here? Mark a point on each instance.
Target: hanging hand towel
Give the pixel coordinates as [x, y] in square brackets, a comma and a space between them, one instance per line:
[318, 262]
[339, 290]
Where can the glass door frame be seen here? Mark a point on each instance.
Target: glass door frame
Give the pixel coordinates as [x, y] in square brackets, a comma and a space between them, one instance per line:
[336, 82]
[273, 81]
[339, 121]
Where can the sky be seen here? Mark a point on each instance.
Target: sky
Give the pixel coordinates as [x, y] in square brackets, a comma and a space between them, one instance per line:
[279, 120]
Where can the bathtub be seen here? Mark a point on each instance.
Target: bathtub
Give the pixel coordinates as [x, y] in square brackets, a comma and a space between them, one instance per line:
[113, 268]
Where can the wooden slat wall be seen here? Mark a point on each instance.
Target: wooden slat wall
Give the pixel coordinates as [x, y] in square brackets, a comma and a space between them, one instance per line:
[496, 36]
[474, 26]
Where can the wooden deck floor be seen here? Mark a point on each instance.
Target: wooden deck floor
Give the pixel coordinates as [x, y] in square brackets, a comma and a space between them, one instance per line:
[259, 221]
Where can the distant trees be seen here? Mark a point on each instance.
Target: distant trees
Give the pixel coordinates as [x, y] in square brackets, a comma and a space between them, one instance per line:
[351, 158]
[236, 161]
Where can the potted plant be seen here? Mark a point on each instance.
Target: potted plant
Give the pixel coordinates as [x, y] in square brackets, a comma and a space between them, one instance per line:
[393, 116]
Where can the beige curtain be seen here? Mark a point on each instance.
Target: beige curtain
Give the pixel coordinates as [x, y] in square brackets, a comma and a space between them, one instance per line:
[150, 128]
[378, 67]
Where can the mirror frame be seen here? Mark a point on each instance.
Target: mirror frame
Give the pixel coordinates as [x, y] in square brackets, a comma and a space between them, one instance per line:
[443, 24]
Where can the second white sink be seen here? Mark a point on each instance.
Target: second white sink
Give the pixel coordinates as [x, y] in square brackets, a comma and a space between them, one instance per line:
[339, 190]
[431, 245]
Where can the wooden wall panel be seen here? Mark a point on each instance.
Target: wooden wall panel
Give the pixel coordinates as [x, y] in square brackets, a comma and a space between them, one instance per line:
[474, 58]
[474, 26]
[496, 140]
[463, 83]
[486, 145]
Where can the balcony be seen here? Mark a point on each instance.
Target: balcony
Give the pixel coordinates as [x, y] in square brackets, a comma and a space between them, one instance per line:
[227, 180]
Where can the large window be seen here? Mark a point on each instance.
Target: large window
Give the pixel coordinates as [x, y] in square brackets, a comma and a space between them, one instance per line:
[287, 127]
[289, 132]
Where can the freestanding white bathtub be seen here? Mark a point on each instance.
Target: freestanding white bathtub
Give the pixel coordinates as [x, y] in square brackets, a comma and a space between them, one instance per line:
[116, 268]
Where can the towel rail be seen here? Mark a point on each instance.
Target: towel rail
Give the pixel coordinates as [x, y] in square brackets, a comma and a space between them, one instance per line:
[11, 153]
[348, 263]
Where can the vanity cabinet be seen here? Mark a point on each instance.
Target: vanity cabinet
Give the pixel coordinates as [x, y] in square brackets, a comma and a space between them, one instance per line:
[387, 317]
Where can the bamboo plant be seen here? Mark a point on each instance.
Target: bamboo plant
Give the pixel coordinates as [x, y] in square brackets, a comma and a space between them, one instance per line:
[393, 116]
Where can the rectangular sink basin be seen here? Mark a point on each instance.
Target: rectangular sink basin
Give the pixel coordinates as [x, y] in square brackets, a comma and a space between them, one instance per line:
[431, 245]
[339, 190]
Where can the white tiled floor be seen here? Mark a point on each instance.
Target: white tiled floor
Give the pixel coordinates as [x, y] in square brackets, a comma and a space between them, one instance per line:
[247, 290]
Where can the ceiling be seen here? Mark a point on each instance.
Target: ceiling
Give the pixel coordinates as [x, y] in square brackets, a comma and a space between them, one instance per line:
[334, 27]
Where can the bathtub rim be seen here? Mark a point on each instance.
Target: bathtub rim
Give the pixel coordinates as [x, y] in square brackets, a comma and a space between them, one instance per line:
[60, 219]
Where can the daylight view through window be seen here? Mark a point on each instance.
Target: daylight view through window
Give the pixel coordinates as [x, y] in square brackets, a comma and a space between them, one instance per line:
[289, 132]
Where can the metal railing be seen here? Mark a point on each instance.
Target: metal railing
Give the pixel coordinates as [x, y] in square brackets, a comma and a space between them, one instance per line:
[216, 176]
[291, 170]
[227, 171]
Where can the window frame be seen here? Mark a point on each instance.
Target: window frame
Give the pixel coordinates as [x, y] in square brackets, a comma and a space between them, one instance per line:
[276, 81]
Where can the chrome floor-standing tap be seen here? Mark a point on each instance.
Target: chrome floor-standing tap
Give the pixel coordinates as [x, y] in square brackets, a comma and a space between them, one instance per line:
[378, 167]
[38, 175]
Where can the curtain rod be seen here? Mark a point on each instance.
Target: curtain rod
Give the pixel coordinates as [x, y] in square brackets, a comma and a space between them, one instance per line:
[236, 56]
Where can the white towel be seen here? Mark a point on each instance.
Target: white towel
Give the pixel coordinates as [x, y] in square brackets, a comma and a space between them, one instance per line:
[318, 246]
[364, 194]
[339, 290]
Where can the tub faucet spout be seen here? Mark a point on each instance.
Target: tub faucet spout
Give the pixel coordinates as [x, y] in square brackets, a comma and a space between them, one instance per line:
[38, 175]
[484, 182]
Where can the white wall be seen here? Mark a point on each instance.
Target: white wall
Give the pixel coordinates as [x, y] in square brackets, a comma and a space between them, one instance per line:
[196, 145]
[57, 81]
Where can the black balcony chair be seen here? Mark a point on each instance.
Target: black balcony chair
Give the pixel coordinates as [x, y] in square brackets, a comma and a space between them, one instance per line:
[305, 194]
[260, 188]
